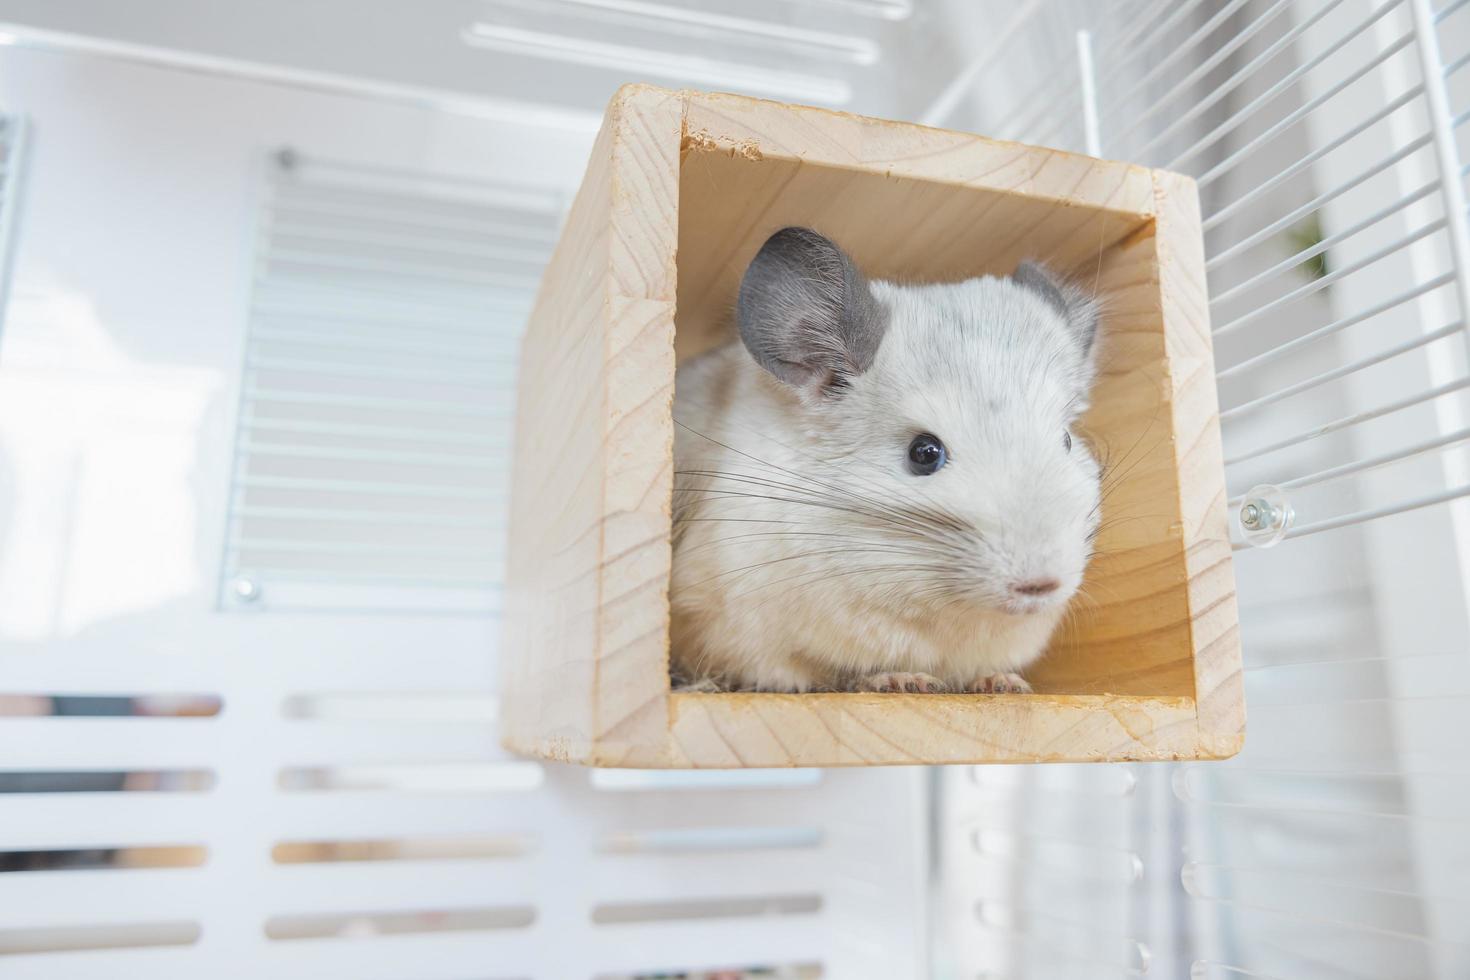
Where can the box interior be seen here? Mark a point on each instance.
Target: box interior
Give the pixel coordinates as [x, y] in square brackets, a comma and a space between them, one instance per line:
[1128, 636]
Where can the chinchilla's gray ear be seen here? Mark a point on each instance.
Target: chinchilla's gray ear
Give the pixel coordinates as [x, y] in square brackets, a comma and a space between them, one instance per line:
[806, 313]
[1077, 309]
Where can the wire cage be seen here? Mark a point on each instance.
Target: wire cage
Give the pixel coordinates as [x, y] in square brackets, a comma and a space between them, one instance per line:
[264, 272]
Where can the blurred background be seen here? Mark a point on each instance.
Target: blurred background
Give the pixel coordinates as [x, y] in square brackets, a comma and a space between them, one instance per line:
[263, 270]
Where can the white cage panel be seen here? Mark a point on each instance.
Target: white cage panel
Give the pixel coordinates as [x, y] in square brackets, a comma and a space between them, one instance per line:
[376, 406]
[315, 789]
[337, 806]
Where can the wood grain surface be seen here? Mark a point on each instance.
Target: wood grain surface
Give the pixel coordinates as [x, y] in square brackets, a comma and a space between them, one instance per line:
[680, 191]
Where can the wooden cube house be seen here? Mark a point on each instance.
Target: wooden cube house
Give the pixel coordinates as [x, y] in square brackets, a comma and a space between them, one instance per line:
[681, 191]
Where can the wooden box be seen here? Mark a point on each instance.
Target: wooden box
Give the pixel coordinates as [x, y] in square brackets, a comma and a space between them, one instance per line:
[681, 190]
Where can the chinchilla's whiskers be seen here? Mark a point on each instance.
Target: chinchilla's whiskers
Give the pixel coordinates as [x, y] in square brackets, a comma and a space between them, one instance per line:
[718, 495]
[902, 511]
[893, 499]
[865, 517]
[900, 581]
[851, 459]
[933, 569]
[799, 556]
[1082, 610]
[917, 522]
[1112, 476]
[813, 497]
[826, 536]
[809, 577]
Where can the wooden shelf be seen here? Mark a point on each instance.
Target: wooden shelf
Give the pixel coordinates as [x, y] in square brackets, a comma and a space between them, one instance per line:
[681, 190]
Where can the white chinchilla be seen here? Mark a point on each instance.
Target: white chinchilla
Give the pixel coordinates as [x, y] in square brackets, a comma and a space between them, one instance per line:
[879, 488]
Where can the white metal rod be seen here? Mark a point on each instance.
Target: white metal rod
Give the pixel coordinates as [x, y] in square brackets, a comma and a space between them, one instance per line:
[1091, 138]
[1363, 516]
[1117, 61]
[1449, 9]
[944, 105]
[1445, 149]
[1034, 107]
[1373, 462]
[881, 9]
[1258, 23]
[755, 32]
[1348, 421]
[1344, 662]
[1245, 72]
[1331, 241]
[1328, 880]
[1281, 394]
[1178, 51]
[1292, 217]
[1286, 81]
[1342, 811]
[1116, 56]
[1456, 65]
[1286, 174]
[644, 62]
[1292, 118]
[1342, 323]
[1317, 285]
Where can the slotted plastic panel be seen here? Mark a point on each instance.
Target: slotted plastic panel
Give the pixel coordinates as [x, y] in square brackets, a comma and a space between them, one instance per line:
[314, 788]
[375, 417]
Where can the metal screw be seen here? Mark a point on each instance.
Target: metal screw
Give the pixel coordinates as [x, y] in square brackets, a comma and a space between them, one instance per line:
[247, 589]
[1260, 515]
[1265, 514]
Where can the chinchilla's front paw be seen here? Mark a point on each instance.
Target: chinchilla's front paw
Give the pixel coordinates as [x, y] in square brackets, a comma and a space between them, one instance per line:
[999, 684]
[908, 683]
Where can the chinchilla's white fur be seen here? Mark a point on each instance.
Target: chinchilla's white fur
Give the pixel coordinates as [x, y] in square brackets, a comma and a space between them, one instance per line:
[807, 556]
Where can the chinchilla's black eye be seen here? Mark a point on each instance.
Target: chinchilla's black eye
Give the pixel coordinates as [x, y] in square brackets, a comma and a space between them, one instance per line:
[926, 455]
[1066, 441]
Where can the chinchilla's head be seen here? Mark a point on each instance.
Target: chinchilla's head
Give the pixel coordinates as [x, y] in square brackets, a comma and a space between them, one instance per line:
[940, 418]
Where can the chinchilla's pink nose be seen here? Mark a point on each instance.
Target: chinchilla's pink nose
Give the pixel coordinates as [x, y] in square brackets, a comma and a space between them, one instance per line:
[1036, 587]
